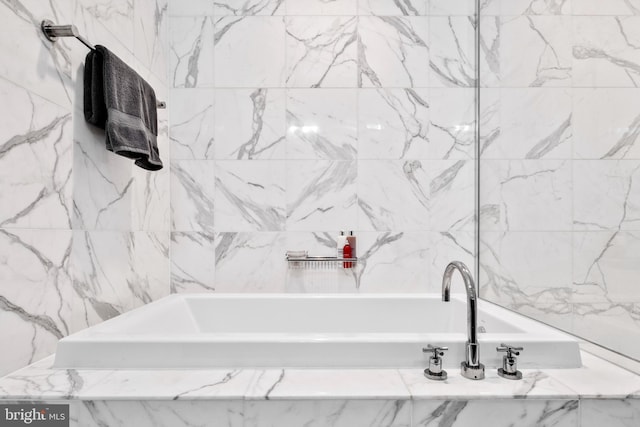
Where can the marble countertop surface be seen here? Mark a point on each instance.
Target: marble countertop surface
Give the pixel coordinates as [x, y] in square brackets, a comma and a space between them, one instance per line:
[597, 378]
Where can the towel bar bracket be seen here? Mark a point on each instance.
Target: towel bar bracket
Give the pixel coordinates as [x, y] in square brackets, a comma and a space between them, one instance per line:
[52, 32]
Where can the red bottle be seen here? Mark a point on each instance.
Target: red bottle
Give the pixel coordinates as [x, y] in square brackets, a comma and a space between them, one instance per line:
[346, 253]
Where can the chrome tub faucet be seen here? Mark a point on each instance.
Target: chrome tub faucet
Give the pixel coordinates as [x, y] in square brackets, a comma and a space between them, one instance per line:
[471, 368]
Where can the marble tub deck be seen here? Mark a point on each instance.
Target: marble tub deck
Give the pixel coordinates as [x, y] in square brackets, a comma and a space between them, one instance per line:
[599, 393]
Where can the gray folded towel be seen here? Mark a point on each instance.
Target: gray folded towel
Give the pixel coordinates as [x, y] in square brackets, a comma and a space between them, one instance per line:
[118, 100]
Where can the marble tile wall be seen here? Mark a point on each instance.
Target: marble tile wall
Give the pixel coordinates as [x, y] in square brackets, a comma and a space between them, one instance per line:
[560, 164]
[299, 118]
[84, 235]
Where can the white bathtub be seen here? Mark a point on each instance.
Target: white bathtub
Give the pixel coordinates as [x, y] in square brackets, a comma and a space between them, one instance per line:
[316, 331]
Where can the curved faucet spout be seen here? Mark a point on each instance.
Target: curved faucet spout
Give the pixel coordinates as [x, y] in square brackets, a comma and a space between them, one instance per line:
[471, 368]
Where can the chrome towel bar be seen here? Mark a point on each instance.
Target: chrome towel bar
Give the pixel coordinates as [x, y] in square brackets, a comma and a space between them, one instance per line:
[52, 32]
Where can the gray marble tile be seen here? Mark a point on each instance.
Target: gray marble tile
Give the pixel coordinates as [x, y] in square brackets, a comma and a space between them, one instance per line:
[606, 123]
[393, 51]
[321, 7]
[523, 413]
[192, 123]
[322, 124]
[36, 302]
[393, 123]
[114, 272]
[321, 51]
[35, 161]
[250, 262]
[393, 8]
[606, 195]
[604, 52]
[158, 414]
[150, 35]
[321, 195]
[192, 262]
[389, 413]
[193, 195]
[509, 131]
[452, 51]
[250, 124]
[614, 413]
[191, 52]
[611, 7]
[526, 195]
[452, 123]
[248, 7]
[250, 195]
[250, 51]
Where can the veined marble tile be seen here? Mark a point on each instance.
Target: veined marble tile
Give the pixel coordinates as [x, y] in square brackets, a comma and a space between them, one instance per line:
[535, 384]
[451, 195]
[606, 123]
[393, 261]
[192, 195]
[192, 262]
[104, 19]
[393, 194]
[150, 26]
[321, 195]
[35, 302]
[528, 123]
[393, 123]
[210, 385]
[499, 413]
[45, 68]
[250, 51]
[149, 278]
[393, 51]
[248, 7]
[606, 195]
[537, 7]
[114, 272]
[605, 266]
[334, 413]
[322, 124]
[558, 314]
[39, 381]
[609, 7]
[250, 195]
[548, 40]
[605, 52]
[250, 124]
[526, 268]
[321, 51]
[452, 51]
[35, 161]
[444, 247]
[145, 413]
[618, 413]
[191, 8]
[393, 8]
[452, 123]
[250, 262]
[599, 378]
[191, 51]
[321, 7]
[458, 7]
[526, 195]
[322, 384]
[192, 123]
[612, 325]
[490, 49]
[103, 182]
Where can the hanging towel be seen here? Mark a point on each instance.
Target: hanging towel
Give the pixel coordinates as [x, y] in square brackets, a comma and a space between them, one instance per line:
[122, 103]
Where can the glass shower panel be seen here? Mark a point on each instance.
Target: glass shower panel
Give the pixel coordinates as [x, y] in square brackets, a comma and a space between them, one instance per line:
[560, 165]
